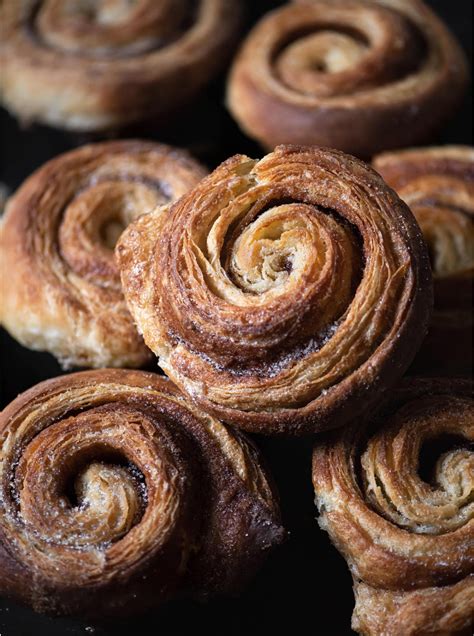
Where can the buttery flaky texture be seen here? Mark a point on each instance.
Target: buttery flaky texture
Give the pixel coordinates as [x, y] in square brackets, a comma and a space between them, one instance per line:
[60, 287]
[395, 493]
[88, 66]
[438, 185]
[284, 295]
[359, 75]
[117, 494]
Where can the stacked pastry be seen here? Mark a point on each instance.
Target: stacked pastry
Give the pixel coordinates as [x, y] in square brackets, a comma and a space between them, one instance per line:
[286, 295]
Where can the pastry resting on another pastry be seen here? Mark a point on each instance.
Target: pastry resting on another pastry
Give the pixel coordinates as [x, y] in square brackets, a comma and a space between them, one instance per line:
[60, 287]
[395, 493]
[438, 185]
[90, 66]
[284, 295]
[117, 494]
[359, 75]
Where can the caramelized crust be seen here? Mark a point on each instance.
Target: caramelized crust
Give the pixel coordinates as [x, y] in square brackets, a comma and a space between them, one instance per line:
[395, 494]
[358, 75]
[61, 292]
[86, 66]
[117, 494]
[438, 185]
[284, 295]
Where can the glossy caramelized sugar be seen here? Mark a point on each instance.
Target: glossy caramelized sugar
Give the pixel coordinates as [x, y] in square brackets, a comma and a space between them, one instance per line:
[438, 185]
[117, 494]
[358, 75]
[62, 292]
[283, 295]
[395, 494]
[86, 65]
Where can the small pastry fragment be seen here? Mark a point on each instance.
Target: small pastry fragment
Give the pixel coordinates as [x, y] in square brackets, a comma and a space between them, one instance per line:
[283, 295]
[358, 75]
[60, 286]
[93, 65]
[117, 494]
[395, 493]
[438, 185]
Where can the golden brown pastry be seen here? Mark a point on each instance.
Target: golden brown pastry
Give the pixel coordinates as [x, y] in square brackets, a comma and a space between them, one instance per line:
[284, 295]
[60, 287]
[117, 494]
[438, 185]
[358, 75]
[395, 493]
[89, 66]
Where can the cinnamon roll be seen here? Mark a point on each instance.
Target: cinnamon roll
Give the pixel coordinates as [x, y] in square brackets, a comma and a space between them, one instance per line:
[395, 494]
[284, 295]
[89, 65]
[117, 494]
[438, 185]
[60, 287]
[358, 75]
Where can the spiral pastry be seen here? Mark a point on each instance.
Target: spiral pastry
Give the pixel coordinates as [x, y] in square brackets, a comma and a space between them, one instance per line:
[89, 65]
[284, 295]
[60, 287]
[395, 494]
[438, 185]
[358, 75]
[117, 494]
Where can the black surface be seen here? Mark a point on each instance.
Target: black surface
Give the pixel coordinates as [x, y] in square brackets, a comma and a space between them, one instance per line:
[305, 586]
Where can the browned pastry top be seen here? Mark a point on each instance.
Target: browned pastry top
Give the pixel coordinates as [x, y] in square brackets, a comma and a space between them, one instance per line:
[438, 185]
[92, 65]
[358, 75]
[283, 294]
[116, 494]
[62, 292]
[395, 494]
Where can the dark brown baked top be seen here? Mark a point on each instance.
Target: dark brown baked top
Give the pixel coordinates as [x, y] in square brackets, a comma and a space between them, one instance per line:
[284, 295]
[116, 494]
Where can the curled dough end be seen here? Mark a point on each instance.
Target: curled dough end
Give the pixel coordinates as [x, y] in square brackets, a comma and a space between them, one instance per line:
[395, 494]
[441, 611]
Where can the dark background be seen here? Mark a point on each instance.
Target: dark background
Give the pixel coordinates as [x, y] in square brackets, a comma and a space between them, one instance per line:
[305, 585]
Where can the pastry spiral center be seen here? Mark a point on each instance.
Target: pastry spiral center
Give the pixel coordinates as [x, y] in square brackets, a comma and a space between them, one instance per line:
[94, 220]
[109, 26]
[326, 51]
[288, 269]
[391, 462]
[92, 482]
[288, 240]
[73, 491]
